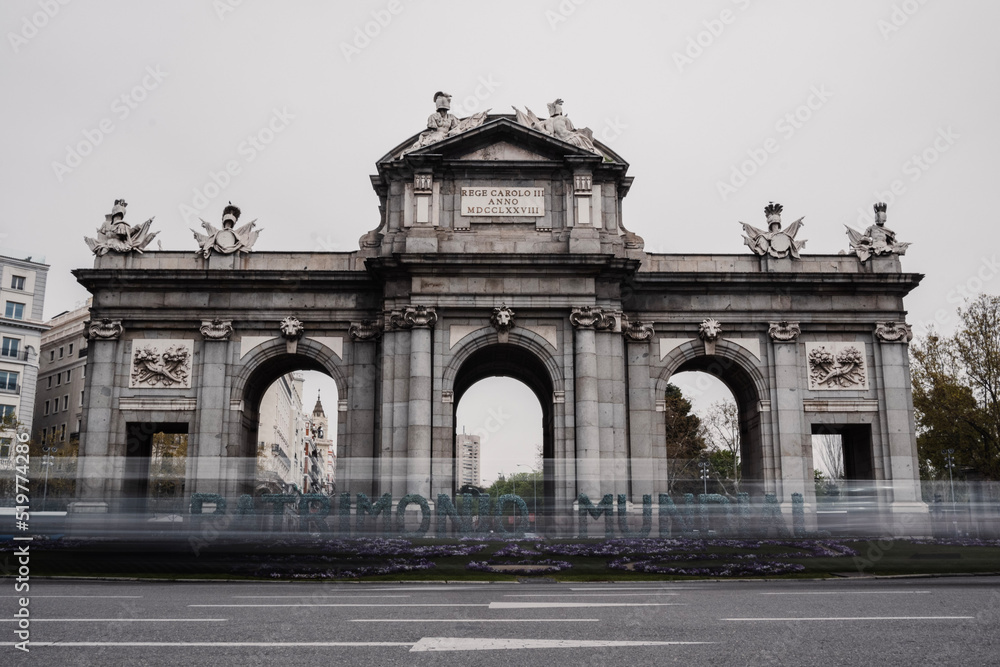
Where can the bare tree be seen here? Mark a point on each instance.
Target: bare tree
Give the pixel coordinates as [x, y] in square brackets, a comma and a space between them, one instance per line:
[828, 452]
[722, 426]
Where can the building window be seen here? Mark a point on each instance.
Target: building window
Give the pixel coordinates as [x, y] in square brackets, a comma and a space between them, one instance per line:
[66, 402]
[62, 433]
[70, 353]
[11, 347]
[14, 310]
[5, 444]
[17, 282]
[60, 353]
[46, 408]
[58, 379]
[6, 411]
[50, 382]
[8, 381]
[81, 398]
[68, 374]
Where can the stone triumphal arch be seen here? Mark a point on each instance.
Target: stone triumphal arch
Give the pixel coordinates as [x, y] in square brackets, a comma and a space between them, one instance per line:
[501, 250]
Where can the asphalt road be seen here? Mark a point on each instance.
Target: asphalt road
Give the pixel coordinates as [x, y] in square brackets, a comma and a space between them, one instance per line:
[940, 621]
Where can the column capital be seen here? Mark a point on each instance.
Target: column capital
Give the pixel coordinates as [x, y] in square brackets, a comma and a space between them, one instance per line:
[216, 329]
[413, 317]
[893, 332]
[365, 330]
[784, 331]
[638, 332]
[592, 317]
[104, 329]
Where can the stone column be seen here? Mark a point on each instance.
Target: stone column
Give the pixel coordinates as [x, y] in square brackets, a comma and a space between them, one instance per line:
[899, 462]
[794, 455]
[419, 320]
[586, 321]
[208, 473]
[95, 470]
[641, 406]
[356, 470]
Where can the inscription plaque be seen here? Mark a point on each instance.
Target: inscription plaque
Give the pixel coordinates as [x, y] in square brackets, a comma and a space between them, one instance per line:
[527, 202]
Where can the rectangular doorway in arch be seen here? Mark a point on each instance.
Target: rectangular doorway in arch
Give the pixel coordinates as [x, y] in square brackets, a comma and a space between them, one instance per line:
[155, 467]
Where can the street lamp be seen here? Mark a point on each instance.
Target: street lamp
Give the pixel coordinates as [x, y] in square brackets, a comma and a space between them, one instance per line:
[534, 494]
[950, 464]
[47, 461]
[704, 474]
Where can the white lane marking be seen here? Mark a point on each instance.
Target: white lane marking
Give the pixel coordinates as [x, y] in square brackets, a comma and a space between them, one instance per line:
[475, 620]
[858, 618]
[562, 605]
[642, 588]
[850, 593]
[488, 644]
[219, 644]
[119, 620]
[344, 604]
[313, 597]
[76, 596]
[419, 589]
[580, 595]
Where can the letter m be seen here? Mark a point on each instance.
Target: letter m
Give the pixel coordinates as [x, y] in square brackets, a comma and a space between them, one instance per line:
[605, 507]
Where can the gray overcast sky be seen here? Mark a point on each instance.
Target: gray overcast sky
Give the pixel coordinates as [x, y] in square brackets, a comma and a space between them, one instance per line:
[161, 95]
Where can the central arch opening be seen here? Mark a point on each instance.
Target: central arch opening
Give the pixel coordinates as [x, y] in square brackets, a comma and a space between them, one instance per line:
[725, 400]
[501, 384]
[289, 428]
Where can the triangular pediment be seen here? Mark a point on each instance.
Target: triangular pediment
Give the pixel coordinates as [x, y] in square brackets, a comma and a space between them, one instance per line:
[503, 151]
[500, 139]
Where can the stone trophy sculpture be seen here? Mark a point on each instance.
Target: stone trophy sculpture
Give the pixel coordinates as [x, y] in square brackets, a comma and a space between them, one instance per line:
[557, 125]
[443, 124]
[776, 242]
[877, 239]
[116, 235]
[230, 238]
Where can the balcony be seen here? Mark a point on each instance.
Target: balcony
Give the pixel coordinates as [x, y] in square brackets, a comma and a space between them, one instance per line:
[4, 389]
[17, 355]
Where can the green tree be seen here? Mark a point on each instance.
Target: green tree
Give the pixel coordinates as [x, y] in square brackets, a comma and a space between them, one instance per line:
[956, 392]
[685, 442]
